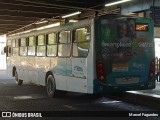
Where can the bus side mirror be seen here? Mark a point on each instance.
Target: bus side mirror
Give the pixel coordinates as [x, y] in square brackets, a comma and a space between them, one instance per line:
[6, 49]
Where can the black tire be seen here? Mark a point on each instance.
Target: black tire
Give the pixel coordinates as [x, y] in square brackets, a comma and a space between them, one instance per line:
[51, 86]
[18, 81]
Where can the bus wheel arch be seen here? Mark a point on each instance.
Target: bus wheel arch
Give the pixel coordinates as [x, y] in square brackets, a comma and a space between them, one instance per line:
[50, 84]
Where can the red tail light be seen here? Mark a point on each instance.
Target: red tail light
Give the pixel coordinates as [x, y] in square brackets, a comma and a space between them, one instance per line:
[152, 69]
[100, 71]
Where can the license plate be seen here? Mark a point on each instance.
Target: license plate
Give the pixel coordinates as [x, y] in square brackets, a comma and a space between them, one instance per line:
[127, 80]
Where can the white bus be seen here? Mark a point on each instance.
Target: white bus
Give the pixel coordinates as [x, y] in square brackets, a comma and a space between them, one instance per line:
[89, 56]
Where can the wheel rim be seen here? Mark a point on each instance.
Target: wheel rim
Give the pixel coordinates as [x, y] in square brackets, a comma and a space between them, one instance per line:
[50, 86]
[16, 76]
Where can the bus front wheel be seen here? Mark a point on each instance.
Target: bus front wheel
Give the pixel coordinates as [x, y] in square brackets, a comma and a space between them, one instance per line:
[18, 81]
[51, 86]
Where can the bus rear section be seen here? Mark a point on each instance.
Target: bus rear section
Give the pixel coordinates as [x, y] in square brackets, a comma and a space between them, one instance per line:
[125, 58]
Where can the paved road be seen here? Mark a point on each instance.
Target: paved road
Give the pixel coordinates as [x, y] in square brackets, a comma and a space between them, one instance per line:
[34, 98]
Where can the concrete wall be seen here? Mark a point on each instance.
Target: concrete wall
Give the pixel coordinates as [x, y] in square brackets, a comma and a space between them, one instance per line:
[4, 75]
[137, 5]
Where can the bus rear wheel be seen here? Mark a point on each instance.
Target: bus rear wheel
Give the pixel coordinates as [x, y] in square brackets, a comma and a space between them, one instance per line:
[18, 81]
[51, 86]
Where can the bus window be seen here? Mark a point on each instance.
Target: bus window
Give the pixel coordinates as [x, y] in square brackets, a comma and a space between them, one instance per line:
[64, 46]
[17, 43]
[23, 42]
[52, 39]
[31, 41]
[23, 46]
[81, 42]
[9, 44]
[13, 43]
[41, 48]
[52, 44]
[31, 46]
[15, 47]
[64, 37]
[40, 40]
[82, 34]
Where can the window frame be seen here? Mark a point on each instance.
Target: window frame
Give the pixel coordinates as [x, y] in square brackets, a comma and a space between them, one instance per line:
[54, 44]
[70, 43]
[28, 45]
[87, 41]
[9, 48]
[16, 46]
[20, 46]
[40, 45]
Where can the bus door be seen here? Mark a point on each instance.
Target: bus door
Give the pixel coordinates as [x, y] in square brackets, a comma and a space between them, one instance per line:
[64, 48]
[80, 48]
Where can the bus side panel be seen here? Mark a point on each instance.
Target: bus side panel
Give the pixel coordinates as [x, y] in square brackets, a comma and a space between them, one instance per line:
[41, 66]
[15, 62]
[23, 69]
[77, 75]
[31, 68]
[58, 68]
[9, 66]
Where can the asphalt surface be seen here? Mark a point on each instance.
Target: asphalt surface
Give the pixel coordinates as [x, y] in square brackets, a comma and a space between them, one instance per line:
[32, 98]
